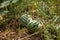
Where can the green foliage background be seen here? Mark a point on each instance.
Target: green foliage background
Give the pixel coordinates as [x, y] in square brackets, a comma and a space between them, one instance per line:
[48, 12]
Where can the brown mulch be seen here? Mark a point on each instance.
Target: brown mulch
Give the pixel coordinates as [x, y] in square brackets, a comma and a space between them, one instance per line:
[10, 35]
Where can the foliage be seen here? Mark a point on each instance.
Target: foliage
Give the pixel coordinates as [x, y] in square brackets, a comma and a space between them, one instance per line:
[46, 11]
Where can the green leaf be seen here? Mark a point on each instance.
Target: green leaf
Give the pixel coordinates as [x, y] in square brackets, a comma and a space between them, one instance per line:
[14, 1]
[4, 4]
[3, 12]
